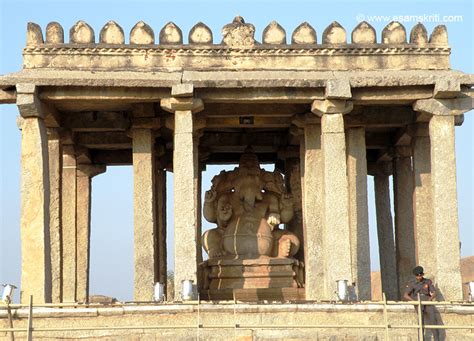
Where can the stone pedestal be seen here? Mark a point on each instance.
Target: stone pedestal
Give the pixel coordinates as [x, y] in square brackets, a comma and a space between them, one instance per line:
[252, 273]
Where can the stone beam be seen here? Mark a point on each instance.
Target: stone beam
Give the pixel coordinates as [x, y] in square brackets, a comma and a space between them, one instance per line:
[248, 122]
[7, 96]
[380, 116]
[219, 110]
[230, 140]
[104, 140]
[96, 121]
[260, 95]
[118, 157]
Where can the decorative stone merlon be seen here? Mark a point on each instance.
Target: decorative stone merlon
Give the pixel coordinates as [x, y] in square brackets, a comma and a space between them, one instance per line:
[141, 33]
[34, 35]
[81, 33]
[331, 106]
[28, 102]
[112, 33]
[238, 33]
[364, 33]
[338, 89]
[334, 34]
[274, 34]
[304, 34]
[90, 170]
[394, 33]
[54, 33]
[200, 34]
[419, 35]
[444, 107]
[171, 34]
[439, 36]
[173, 104]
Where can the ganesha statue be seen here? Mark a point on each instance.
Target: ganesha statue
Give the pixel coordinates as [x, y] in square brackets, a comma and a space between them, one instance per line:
[248, 204]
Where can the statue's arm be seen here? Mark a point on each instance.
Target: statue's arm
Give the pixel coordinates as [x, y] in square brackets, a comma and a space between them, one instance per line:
[286, 208]
[209, 207]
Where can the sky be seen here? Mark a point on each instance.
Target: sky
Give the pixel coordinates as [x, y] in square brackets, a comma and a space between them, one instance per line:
[112, 198]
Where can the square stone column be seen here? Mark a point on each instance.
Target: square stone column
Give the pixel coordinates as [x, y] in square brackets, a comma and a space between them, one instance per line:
[387, 255]
[358, 211]
[442, 114]
[337, 246]
[422, 205]
[55, 153]
[404, 220]
[160, 179]
[69, 220]
[35, 197]
[85, 173]
[186, 184]
[445, 207]
[311, 179]
[145, 249]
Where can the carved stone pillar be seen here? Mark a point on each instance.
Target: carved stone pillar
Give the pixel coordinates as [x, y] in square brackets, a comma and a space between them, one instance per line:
[160, 180]
[335, 206]
[69, 220]
[358, 211]
[444, 194]
[387, 256]
[55, 230]
[186, 169]
[85, 173]
[35, 196]
[145, 250]
[403, 204]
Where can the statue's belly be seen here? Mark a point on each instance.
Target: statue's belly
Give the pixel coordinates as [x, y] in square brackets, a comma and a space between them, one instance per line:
[248, 236]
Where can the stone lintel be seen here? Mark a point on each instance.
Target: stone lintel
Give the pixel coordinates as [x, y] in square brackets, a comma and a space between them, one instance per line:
[28, 102]
[288, 152]
[447, 87]
[7, 97]
[383, 168]
[146, 123]
[143, 110]
[90, 170]
[331, 106]
[173, 104]
[338, 89]
[443, 107]
[301, 120]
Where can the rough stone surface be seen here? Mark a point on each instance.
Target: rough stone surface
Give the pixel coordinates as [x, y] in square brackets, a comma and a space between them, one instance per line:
[358, 211]
[160, 180]
[34, 218]
[185, 215]
[55, 207]
[304, 34]
[444, 207]
[439, 35]
[422, 201]
[274, 34]
[54, 33]
[404, 228]
[385, 237]
[238, 33]
[338, 89]
[312, 176]
[83, 235]
[335, 194]
[34, 35]
[141, 33]
[112, 33]
[144, 212]
[69, 221]
[418, 35]
[200, 34]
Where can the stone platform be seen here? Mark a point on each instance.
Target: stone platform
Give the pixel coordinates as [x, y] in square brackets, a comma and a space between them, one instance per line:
[229, 321]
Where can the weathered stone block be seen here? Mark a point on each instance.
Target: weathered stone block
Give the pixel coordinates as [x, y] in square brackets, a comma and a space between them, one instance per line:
[274, 34]
[304, 34]
[141, 33]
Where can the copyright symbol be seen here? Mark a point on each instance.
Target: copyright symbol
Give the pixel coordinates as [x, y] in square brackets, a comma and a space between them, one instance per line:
[360, 17]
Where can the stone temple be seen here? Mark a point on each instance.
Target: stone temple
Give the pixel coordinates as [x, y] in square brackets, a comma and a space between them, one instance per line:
[326, 109]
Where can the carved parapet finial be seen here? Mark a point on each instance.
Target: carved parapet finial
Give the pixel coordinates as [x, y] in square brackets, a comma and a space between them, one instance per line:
[112, 33]
[238, 33]
[54, 33]
[304, 34]
[394, 33]
[171, 34]
[439, 35]
[141, 33]
[418, 35]
[334, 34]
[81, 33]
[34, 35]
[274, 34]
[364, 33]
[200, 34]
